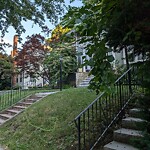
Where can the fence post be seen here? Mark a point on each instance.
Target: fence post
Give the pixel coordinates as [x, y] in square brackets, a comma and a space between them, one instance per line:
[79, 134]
[11, 95]
[0, 101]
[129, 79]
[120, 94]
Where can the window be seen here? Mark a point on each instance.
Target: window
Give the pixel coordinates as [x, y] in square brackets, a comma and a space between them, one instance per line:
[20, 79]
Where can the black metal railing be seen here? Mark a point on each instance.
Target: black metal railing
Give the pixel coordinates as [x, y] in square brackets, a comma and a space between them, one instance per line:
[10, 97]
[93, 122]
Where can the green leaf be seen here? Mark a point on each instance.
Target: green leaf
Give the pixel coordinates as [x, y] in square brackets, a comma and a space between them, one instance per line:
[110, 58]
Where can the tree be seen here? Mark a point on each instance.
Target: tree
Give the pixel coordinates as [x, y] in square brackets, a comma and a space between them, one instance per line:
[61, 48]
[30, 58]
[52, 62]
[110, 26]
[5, 71]
[13, 13]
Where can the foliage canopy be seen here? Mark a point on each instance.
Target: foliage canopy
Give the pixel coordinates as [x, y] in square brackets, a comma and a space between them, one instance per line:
[31, 57]
[108, 26]
[62, 53]
[6, 70]
[12, 13]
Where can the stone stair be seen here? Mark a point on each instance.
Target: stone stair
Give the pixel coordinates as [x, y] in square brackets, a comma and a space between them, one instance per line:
[131, 129]
[85, 82]
[19, 107]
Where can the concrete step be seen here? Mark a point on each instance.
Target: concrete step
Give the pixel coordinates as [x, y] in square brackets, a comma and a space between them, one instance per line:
[81, 86]
[19, 108]
[133, 123]
[5, 116]
[118, 146]
[84, 85]
[34, 97]
[12, 111]
[27, 103]
[40, 95]
[2, 121]
[24, 104]
[135, 112]
[30, 100]
[126, 135]
[85, 82]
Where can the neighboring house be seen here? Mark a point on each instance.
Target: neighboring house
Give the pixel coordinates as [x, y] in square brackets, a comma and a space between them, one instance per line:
[81, 51]
[86, 68]
[26, 81]
[120, 57]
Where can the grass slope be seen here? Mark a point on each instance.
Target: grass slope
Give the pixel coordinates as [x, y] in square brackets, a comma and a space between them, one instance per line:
[47, 125]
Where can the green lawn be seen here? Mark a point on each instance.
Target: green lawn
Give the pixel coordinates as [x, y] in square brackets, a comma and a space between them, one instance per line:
[47, 125]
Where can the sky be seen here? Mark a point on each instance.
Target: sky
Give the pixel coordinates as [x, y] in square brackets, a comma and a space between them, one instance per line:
[31, 29]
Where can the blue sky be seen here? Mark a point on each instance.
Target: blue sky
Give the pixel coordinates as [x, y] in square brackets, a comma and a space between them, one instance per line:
[30, 29]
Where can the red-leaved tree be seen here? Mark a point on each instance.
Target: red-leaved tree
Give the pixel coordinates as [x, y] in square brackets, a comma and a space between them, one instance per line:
[30, 58]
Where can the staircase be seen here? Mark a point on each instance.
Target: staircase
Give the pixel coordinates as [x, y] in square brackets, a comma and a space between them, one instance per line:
[131, 129]
[85, 82]
[21, 106]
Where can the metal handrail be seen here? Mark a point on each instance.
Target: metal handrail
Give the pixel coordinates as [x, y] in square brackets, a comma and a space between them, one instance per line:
[109, 109]
[89, 106]
[101, 95]
[123, 74]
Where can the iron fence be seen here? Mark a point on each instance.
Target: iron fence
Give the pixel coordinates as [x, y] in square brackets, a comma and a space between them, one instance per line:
[93, 122]
[10, 97]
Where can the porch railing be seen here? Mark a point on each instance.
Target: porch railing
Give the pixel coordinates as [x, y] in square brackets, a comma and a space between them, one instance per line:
[93, 122]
